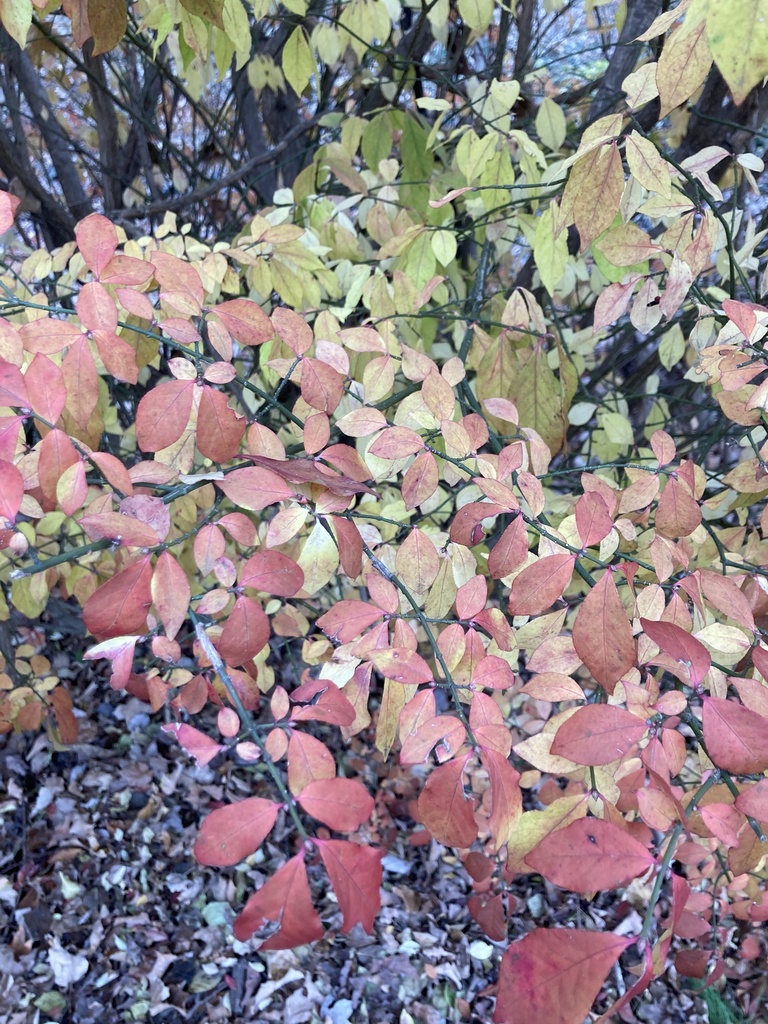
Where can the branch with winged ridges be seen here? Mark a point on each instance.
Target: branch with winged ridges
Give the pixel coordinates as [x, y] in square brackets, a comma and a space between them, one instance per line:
[179, 202]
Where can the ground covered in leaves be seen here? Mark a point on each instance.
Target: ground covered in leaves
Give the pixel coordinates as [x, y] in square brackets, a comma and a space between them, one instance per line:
[106, 917]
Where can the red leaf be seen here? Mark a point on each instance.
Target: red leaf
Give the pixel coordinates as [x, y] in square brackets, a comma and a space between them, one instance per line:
[355, 874]
[598, 734]
[465, 524]
[117, 355]
[272, 573]
[754, 801]
[284, 900]
[489, 914]
[417, 743]
[115, 526]
[348, 619]
[96, 308]
[510, 551]
[396, 443]
[180, 284]
[196, 743]
[13, 390]
[245, 632]
[245, 320]
[493, 672]
[322, 387]
[126, 270]
[539, 585]
[45, 387]
[680, 646]
[420, 480]
[219, 428]
[506, 797]
[589, 855]
[170, 593]
[11, 490]
[57, 454]
[401, 665]
[554, 975]
[163, 414]
[736, 738]
[443, 808]
[593, 520]
[308, 761]
[678, 513]
[121, 604]
[471, 597]
[8, 206]
[230, 834]
[254, 488]
[331, 706]
[97, 240]
[341, 804]
[350, 546]
[602, 634]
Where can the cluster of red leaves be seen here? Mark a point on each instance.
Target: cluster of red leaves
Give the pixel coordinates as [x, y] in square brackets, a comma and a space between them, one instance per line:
[619, 741]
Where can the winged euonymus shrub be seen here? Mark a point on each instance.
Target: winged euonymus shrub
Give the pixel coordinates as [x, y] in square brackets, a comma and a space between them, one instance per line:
[392, 532]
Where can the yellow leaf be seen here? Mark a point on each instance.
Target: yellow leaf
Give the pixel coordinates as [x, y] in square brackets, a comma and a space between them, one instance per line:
[298, 62]
[683, 65]
[648, 166]
[319, 559]
[737, 32]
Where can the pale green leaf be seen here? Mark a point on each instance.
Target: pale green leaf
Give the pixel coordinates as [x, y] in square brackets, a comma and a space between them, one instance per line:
[16, 16]
[476, 13]
[551, 124]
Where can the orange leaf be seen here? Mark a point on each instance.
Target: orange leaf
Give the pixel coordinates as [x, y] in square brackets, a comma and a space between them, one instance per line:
[443, 808]
[602, 633]
[554, 975]
[272, 573]
[348, 619]
[539, 585]
[589, 855]
[308, 761]
[97, 241]
[401, 665]
[355, 874]
[163, 414]
[219, 428]
[598, 734]
[245, 632]
[593, 520]
[680, 646]
[341, 804]
[245, 320]
[283, 900]
[254, 488]
[121, 604]
[736, 738]
[677, 513]
[170, 593]
[230, 834]
[506, 797]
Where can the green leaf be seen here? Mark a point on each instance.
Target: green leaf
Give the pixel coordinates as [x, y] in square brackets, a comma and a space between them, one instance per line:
[298, 62]
[444, 246]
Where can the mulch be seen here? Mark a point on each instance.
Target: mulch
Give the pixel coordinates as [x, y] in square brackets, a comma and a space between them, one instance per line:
[106, 917]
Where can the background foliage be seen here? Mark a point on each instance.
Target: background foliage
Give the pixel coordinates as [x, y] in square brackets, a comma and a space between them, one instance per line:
[399, 370]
